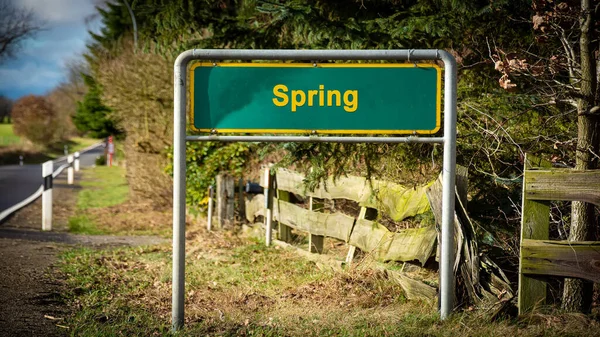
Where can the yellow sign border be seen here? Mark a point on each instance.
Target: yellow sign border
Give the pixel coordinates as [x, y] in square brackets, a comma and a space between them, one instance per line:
[321, 65]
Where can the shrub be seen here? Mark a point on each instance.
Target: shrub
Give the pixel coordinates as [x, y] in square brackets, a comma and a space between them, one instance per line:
[35, 119]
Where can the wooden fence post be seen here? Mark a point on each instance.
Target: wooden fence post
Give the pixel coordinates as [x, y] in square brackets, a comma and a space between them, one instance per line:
[315, 242]
[241, 208]
[211, 194]
[367, 214]
[285, 232]
[225, 200]
[268, 190]
[535, 221]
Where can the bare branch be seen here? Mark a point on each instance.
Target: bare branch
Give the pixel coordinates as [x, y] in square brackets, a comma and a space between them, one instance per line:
[16, 25]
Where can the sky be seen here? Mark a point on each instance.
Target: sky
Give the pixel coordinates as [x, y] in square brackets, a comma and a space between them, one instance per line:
[39, 65]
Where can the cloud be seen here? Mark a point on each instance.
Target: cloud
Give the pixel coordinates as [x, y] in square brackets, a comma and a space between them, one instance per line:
[56, 45]
[39, 64]
[29, 77]
[59, 11]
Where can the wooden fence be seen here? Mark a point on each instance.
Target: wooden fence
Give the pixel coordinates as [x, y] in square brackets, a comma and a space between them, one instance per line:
[359, 231]
[540, 256]
[480, 279]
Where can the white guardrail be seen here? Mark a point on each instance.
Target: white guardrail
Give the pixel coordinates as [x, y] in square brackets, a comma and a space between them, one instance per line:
[40, 190]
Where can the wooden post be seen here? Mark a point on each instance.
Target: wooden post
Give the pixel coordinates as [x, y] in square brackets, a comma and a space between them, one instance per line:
[315, 242]
[211, 193]
[365, 213]
[535, 221]
[268, 190]
[225, 200]
[285, 232]
[241, 201]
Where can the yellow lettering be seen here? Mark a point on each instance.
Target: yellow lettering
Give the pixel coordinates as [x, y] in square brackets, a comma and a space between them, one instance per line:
[321, 95]
[330, 94]
[278, 91]
[311, 94]
[298, 99]
[351, 104]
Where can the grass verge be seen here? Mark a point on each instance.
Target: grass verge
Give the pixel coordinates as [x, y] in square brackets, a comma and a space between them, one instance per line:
[7, 136]
[103, 187]
[103, 207]
[239, 287]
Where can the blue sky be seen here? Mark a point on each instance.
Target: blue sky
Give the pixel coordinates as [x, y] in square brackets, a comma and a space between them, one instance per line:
[39, 65]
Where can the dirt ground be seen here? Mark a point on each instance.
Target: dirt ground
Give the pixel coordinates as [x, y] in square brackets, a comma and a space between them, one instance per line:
[30, 286]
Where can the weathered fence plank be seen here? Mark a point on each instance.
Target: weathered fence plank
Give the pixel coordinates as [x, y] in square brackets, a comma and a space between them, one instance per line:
[563, 185]
[284, 231]
[398, 201]
[561, 258]
[334, 225]
[535, 219]
[408, 245]
[365, 213]
[414, 290]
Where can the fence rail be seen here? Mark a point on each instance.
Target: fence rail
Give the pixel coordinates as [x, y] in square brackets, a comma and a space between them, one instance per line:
[393, 199]
[540, 256]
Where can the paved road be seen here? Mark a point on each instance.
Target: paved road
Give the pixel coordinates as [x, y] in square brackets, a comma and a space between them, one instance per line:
[19, 182]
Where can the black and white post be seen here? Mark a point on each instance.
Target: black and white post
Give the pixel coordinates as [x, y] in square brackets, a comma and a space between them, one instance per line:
[76, 161]
[70, 169]
[47, 169]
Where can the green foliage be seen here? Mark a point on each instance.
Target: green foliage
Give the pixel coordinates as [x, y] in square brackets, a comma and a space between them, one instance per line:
[205, 160]
[92, 115]
[495, 127]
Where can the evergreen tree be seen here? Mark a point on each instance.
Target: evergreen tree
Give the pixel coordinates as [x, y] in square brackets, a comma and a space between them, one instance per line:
[92, 116]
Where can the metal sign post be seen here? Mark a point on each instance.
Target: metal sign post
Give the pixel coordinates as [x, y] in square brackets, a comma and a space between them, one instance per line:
[296, 102]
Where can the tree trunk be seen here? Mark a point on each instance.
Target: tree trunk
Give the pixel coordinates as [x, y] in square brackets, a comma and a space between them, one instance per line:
[577, 294]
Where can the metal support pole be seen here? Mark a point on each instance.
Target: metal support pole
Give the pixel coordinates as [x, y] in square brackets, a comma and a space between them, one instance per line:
[268, 206]
[47, 169]
[76, 161]
[179, 192]
[210, 207]
[449, 141]
[70, 169]
[448, 183]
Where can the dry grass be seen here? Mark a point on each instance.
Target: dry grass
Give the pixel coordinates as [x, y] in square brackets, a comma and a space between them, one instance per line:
[237, 286]
[132, 218]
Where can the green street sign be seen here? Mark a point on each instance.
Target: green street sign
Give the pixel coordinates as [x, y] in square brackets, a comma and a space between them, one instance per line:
[326, 98]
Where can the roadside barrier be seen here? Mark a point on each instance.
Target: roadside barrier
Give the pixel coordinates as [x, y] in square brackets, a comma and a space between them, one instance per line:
[47, 196]
[70, 172]
[40, 191]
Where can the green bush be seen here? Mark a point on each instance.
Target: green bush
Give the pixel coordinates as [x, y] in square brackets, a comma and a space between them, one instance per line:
[100, 160]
